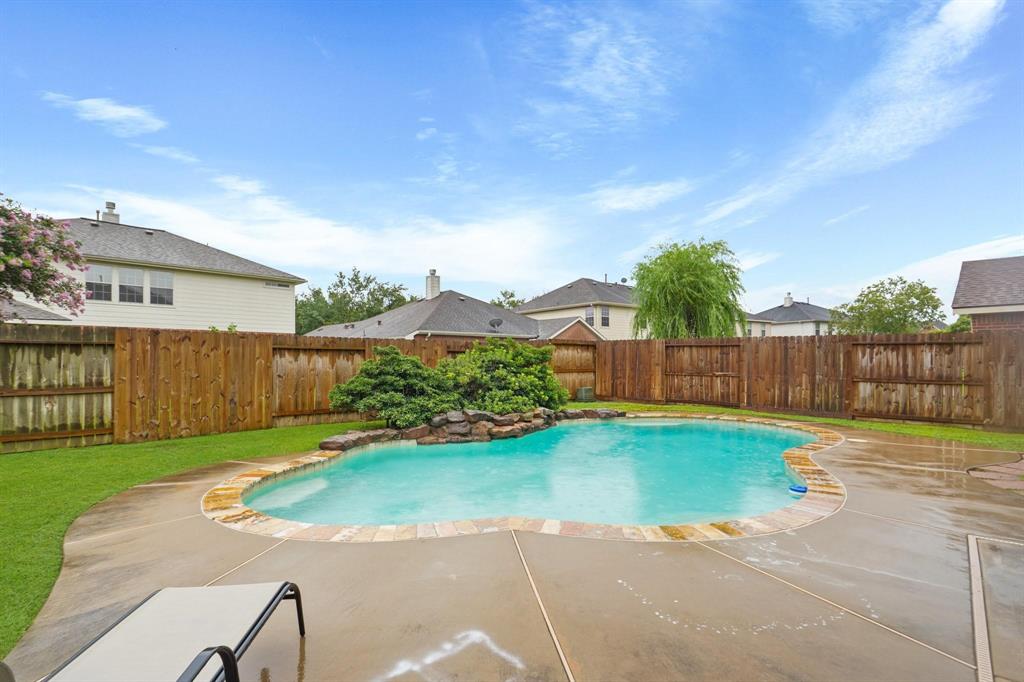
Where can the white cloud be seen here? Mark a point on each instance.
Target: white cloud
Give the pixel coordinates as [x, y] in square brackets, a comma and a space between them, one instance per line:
[238, 185]
[426, 119]
[843, 216]
[910, 100]
[843, 16]
[172, 153]
[751, 259]
[510, 247]
[639, 197]
[123, 120]
[426, 134]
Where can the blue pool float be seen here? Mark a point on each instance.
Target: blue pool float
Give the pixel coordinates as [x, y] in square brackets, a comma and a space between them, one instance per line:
[798, 489]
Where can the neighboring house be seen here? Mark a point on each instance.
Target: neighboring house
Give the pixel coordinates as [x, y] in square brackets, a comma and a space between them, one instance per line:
[449, 313]
[991, 292]
[792, 318]
[606, 306]
[145, 277]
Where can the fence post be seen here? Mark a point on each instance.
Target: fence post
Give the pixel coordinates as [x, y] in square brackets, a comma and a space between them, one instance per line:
[658, 371]
[848, 350]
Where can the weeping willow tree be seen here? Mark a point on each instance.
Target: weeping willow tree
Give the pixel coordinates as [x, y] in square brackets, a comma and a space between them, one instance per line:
[688, 290]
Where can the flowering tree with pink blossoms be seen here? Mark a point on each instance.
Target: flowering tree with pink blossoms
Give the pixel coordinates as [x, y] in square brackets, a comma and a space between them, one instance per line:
[37, 255]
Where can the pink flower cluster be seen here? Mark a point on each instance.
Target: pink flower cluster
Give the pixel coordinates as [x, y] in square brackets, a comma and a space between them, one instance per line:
[37, 255]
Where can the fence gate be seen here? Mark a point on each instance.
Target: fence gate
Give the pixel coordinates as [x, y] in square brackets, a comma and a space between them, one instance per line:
[703, 371]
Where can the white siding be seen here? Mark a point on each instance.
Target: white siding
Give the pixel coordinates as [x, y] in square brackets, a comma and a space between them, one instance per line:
[201, 300]
[620, 319]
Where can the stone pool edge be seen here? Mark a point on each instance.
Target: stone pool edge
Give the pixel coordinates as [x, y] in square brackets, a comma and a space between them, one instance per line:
[825, 496]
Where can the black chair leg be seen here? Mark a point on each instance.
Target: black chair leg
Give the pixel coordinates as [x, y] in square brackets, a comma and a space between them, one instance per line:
[293, 593]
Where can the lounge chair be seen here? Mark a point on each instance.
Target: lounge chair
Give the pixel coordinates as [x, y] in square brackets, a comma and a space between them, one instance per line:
[175, 632]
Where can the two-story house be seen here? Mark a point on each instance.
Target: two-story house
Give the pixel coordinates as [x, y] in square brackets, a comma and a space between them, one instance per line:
[606, 306]
[148, 277]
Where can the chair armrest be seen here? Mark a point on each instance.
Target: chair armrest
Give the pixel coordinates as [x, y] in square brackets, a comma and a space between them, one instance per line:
[227, 657]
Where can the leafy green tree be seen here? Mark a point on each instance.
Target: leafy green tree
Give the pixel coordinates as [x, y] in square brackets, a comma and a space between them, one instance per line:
[688, 290]
[398, 388]
[503, 376]
[349, 298]
[962, 324]
[37, 255]
[507, 299]
[889, 306]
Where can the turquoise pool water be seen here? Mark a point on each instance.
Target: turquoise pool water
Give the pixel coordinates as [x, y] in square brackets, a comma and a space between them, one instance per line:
[622, 472]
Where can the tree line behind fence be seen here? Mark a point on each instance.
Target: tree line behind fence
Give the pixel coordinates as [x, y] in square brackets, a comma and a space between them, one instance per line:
[64, 386]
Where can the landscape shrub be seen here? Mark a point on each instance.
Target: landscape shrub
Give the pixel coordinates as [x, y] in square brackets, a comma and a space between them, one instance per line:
[398, 388]
[503, 376]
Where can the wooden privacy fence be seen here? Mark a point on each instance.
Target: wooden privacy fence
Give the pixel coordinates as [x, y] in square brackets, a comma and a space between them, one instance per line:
[954, 378]
[63, 386]
[83, 385]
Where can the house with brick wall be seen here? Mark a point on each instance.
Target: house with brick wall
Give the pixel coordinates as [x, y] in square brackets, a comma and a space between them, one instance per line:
[991, 293]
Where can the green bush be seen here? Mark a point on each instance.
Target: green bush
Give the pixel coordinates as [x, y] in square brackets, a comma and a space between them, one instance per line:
[398, 388]
[504, 376]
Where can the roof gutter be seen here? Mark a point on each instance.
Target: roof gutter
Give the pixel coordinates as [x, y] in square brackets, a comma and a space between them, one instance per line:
[166, 266]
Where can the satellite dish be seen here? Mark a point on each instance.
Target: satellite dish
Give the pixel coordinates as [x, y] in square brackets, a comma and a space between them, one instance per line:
[495, 323]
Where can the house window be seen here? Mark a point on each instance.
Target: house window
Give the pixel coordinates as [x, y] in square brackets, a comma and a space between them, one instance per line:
[817, 328]
[129, 285]
[764, 329]
[749, 330]
[98, 282]
[606, 316]
[161, 288]
[590, 315]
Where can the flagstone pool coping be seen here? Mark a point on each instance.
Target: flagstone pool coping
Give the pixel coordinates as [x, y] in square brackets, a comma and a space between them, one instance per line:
[825, 496]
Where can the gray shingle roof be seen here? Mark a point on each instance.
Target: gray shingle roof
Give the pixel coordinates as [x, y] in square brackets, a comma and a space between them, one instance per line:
[797, 312]
[583, 291]
[992, 282]
[23, 311]
[448, 313]
[118, 242]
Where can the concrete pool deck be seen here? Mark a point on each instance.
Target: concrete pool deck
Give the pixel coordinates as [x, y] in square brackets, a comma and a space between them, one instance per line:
[880, 590]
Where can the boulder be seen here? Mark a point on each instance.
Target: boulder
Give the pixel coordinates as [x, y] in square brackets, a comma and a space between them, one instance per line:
[544, 413]
[481, 430]
[573, 414]
[505, 419]
[430, 440]
[416, 432]
[539, 424]
[455, 416]
[460, 439]
[342, 442]
[526, 417]
[512, 431]
[458, 429]
[478, 416]
[606, 413]
[591, 414]
[439, 420]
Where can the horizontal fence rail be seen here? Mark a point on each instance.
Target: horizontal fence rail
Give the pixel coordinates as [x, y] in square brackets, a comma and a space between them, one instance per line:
[67, 385]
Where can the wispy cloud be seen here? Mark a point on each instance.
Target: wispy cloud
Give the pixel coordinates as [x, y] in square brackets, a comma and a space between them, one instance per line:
[426, 134]
[748, 260]
[910, 100]
[598, 68]
[238, 185]
[843, 216]
[123, 120]
[840, 17]
[172, 153]
[639, 197]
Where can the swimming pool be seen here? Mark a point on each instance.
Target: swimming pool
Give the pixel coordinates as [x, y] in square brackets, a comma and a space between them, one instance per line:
[637, 471]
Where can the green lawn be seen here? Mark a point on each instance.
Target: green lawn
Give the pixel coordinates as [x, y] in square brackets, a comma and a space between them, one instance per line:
[975, 437]
[42, 492]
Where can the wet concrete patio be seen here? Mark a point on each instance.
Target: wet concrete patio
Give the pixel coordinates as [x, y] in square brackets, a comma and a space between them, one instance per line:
[880, 590]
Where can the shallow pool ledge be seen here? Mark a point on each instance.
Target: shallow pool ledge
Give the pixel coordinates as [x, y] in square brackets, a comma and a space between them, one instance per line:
[825, 495]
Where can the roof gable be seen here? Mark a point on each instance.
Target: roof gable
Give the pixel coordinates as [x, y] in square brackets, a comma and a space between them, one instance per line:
[103, 240]
[992, 282]
[796, 312]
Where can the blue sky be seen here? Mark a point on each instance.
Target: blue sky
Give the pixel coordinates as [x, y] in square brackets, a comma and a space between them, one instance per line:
[527, 144]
